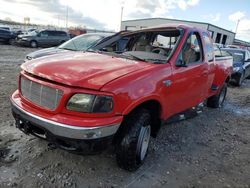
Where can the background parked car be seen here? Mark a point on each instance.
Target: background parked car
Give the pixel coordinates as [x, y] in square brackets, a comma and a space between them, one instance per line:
[79, 43]
[44, 38]
[241, 64]
[5, 27]
[6, 36]
[27, 32]
[17, 32]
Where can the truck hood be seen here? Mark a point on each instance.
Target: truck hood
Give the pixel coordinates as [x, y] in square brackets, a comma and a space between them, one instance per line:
[86, 70]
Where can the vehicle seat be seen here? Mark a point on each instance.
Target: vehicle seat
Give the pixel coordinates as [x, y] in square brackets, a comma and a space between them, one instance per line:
[142, 45]
[190, 55]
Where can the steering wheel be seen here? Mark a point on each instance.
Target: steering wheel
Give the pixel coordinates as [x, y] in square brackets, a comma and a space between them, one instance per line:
[159, 51]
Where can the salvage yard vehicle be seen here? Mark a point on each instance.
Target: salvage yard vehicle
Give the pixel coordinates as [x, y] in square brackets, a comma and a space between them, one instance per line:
[43, 38]
[79, 43]
[84, 101]
[6, 36]
[241, 64]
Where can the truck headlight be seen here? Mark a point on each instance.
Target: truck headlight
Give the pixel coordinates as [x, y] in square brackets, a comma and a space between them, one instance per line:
[90, 103]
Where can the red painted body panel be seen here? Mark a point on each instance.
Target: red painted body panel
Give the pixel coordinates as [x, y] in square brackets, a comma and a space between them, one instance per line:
[129, 82]
[142, 86]
[223, 70]
[78, 69]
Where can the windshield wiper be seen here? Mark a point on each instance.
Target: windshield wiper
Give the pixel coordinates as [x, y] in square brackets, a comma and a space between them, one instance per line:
[157, 61]
[91, 50]
[103, 52]
[128, 55]
[151, 60]
[133, 56]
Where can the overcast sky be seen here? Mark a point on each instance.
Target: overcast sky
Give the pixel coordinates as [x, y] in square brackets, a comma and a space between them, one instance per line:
[105, 14]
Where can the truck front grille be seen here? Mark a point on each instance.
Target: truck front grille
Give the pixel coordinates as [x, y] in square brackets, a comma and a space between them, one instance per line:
[39, 94]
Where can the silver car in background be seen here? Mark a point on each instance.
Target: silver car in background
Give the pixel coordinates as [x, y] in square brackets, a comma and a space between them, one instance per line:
[44, 38]
[79, 43]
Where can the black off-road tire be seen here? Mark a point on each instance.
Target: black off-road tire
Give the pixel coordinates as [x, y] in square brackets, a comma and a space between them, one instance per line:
[129, 147]
[217, 101]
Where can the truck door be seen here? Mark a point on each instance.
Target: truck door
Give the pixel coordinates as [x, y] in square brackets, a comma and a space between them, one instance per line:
[190, 79]
[209, 59]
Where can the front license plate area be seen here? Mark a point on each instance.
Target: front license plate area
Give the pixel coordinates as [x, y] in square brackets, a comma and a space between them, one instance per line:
[23, 125]
[26, 127]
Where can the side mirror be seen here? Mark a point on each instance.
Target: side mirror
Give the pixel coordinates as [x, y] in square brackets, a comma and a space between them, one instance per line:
[180, 63]
[38, 35]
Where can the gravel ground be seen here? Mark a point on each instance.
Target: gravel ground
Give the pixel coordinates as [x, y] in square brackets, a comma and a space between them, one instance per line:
[209, 150]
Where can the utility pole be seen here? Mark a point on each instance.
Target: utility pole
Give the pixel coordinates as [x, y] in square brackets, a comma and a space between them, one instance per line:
[237, 26]
[121, 17]
[58, 21]
[67, 15]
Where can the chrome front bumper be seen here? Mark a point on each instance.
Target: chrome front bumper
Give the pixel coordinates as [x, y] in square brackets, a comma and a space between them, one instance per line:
[63, 130]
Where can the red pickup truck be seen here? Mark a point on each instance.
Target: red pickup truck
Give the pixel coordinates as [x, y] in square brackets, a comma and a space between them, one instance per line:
[122, 93]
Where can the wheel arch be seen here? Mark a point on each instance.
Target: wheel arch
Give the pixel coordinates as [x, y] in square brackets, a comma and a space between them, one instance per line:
[228, 79]
[155, 109]
[33, 40]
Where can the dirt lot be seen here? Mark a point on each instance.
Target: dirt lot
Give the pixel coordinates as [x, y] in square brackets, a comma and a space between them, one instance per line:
[210, 150]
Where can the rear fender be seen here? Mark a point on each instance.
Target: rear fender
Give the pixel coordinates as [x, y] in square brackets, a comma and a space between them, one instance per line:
[223, 72]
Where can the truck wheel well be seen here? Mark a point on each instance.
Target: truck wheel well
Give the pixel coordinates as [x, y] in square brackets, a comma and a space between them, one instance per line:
[154, 108]
[228, 79]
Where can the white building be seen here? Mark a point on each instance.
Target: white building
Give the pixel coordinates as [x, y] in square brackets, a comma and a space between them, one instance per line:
[218, 34]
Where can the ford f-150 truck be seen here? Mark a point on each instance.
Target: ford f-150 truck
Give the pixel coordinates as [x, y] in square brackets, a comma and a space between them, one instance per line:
[122, 93]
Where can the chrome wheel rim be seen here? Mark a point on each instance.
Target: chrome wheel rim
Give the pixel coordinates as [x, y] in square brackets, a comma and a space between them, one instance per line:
[144, 139]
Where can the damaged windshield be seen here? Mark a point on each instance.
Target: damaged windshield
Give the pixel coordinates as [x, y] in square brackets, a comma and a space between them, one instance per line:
[150, 46]
[82, 42]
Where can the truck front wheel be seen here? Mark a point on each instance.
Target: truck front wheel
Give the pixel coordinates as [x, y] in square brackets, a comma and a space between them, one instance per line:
[132, 147]
[217, 100]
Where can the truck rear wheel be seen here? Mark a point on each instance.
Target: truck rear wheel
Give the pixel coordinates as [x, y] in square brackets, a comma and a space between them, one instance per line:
[132, 147]
[217, 101]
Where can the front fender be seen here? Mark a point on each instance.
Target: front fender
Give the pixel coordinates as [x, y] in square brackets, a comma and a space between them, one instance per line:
[140, 102]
